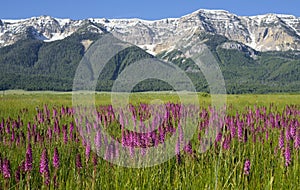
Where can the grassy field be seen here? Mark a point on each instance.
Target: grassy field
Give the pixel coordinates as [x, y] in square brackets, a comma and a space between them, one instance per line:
[257, 147]
[12, 101]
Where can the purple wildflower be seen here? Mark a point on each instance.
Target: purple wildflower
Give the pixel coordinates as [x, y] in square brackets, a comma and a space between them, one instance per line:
[44, 167]
[180, 131]
[13, 135]
[293, 131]
[281, 141]
[28, 159]
[110, 151]
[226, 143]
[177, 151]
[78, 161]
[71, 129]
[240, 130]
[6, 168]
[56, 159]
[49, 133]
[287, 135]
[232, 130]
[97, 140]
[219, 137]
[188, 148]
[287, 155]
[247, 166]
[87, 151]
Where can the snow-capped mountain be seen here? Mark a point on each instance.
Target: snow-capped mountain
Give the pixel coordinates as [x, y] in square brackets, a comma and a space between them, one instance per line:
[270, 32]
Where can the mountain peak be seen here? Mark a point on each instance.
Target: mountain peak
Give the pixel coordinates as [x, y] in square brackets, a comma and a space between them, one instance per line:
[46, 17]
[210, 13]
[213, 11]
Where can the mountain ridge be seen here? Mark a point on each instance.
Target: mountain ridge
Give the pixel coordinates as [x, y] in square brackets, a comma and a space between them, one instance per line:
[269, 32]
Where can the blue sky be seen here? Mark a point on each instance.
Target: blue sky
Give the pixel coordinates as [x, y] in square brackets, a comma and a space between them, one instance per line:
[145, 9]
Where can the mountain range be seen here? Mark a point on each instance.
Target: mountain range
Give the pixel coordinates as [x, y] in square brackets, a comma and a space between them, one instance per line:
[256, 54]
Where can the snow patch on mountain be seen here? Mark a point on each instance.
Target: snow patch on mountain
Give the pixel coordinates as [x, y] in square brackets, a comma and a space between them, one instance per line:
[149, 48]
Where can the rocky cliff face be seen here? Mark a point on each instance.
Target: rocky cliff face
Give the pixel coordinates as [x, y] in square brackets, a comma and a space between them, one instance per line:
[271, 32]
[43, 28]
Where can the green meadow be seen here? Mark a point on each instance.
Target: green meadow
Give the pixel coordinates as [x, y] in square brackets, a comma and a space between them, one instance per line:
[257, 148]
[12, 101]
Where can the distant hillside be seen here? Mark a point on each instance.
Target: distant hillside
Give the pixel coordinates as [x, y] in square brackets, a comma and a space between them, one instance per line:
[258, 54]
